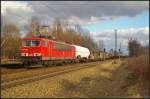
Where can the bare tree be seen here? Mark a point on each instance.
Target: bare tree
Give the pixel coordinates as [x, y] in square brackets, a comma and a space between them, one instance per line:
[34, 27]
[11, 40]
[133, 47]
[77, 35]
[57, 28]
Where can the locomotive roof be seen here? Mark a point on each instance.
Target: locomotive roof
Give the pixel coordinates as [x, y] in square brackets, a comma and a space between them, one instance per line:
[39, 38]
[34, 38]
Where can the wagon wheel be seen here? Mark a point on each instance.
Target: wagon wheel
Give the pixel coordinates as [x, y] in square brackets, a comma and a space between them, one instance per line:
[86, 60]
[78, 58]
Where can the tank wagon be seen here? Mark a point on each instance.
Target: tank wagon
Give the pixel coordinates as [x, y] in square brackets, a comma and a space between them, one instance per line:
[81, 53]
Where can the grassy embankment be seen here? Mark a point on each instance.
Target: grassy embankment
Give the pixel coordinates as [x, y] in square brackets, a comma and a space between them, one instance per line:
[139, 67]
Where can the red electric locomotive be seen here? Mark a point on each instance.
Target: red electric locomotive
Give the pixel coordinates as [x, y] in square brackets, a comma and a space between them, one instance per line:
[44, 50]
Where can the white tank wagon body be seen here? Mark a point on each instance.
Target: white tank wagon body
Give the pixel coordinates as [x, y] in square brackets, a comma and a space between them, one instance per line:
[81, 52]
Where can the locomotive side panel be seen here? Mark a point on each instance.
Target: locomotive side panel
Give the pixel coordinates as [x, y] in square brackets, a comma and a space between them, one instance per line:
[44, 50]
[62, 51]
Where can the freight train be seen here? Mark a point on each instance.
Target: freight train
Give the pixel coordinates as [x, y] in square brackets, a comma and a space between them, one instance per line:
[46, 51]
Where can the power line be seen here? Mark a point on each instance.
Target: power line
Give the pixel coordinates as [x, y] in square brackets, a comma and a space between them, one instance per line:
[53, 10]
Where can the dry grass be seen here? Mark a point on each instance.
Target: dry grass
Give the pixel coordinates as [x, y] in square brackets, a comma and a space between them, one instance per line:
[139, 66]
[105, 80]
[90, 82]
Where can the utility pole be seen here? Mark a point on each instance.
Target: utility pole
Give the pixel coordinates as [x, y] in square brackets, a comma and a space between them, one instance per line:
[115, 52]
[104, 54]
[115, 42]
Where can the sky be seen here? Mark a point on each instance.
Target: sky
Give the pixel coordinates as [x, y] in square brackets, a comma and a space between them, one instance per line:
[126, 22]
[101, 18]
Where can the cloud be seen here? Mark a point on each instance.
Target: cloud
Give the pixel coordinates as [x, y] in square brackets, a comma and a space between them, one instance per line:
[88, 21]
[78, 20]
[16, 12]
[141, 34]
[84, 11]
[75, 12]
[15, 7]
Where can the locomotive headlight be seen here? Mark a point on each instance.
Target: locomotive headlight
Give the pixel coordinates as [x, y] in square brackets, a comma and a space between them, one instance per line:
[24, 54]
[37, 54]
[34, 54]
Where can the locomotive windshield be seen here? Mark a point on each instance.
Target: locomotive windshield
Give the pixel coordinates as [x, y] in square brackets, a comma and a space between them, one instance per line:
[31, 43]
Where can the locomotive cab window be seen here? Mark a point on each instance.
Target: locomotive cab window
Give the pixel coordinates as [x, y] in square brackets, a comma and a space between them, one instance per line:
[31, 43]
[35, 43]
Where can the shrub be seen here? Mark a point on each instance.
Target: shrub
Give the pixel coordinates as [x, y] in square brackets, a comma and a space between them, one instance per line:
[139, 66]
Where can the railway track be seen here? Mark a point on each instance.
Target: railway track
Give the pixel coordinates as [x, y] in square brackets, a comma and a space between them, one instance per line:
[22, 69]
[19, 81]
[13, 69]
[36, 69]
[18, 68]
[32, 72]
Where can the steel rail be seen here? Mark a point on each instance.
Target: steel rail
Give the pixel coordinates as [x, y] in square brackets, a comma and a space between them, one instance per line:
[13, 83]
